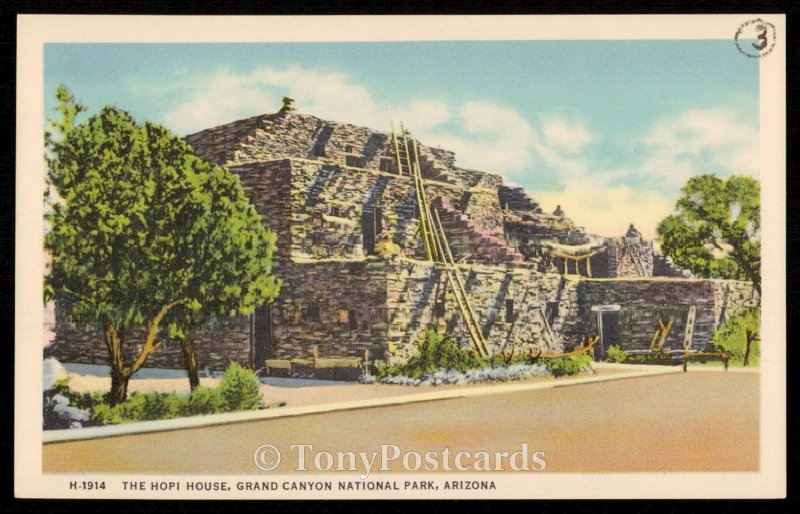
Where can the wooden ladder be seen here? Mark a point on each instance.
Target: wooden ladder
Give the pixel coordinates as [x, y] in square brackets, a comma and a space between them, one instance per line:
[437, 247]
[636, 258]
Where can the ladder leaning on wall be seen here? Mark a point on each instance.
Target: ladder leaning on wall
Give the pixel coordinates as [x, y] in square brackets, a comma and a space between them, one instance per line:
[636, 258]
[437, 248]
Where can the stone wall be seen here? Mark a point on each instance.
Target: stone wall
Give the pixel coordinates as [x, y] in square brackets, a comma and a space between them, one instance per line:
[218, 343]
[620, 262]
[339, 306]
[531, 227]
[664, 267]
[516, 199]
[643, 301]
[317, 209]
[419, 297]
[268, 186]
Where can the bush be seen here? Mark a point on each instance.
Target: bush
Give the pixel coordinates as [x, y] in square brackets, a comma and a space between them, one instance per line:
[436, 352]
[203, 400]
[615, 354]
[238, 388]
[441, 360]
[569, 365]
[499, 360]
[733, 334]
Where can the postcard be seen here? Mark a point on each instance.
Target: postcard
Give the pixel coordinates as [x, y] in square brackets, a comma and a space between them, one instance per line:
[372, 257]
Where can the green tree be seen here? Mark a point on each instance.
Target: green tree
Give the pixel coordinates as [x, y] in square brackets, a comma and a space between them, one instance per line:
[236, 279]
[143, 233]
[740, 335]
[715, 230]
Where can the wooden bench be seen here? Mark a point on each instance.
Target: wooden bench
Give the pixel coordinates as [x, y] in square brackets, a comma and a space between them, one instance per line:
[317, 364]
[688, 355]
[278, 364]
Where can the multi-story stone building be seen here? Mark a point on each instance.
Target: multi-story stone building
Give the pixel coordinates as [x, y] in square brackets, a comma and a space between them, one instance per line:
[355, 273]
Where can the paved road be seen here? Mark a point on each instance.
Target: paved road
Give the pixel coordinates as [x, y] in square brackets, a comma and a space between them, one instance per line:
[697, 421]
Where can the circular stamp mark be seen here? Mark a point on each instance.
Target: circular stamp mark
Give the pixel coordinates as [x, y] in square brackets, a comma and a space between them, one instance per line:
[755, 38]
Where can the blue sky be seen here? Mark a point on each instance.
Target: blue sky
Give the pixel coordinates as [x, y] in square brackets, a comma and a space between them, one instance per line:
[608, 129]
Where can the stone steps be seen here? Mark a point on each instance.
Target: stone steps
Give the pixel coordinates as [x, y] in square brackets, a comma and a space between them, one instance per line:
[469, 240]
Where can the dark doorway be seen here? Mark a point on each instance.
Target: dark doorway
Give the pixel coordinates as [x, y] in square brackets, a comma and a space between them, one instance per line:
[262, 335]
[608, 330]
[370, 228]
[352, 323]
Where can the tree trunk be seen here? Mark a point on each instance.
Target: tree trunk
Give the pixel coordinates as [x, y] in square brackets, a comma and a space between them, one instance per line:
[119, 374]
[190, 359]
[119, 387]
[748, 340]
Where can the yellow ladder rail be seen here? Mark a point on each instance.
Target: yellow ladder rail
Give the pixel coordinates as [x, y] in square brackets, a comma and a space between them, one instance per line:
[437, 248]
[437, 252]
[396, 149]
[470, 319]
[420, 199]
[424, 213]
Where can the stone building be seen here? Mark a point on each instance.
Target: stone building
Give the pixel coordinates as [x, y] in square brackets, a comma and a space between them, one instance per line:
[355, 274]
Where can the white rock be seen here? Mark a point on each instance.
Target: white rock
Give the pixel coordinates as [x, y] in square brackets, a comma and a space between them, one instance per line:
[52, 372]
[70, 413]
[60, 399]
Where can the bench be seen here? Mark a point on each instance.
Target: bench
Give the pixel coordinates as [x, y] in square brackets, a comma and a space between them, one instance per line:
[320, 366]
[725, 357]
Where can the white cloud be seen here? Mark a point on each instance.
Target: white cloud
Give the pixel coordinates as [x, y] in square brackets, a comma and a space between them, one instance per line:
[689, 143]
[333, 95]
[497, 138]
[219, 99]
[701, 141]
[608, 210]
[562, 135]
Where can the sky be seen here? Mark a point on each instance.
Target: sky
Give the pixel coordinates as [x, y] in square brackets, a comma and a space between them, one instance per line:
[609, 130]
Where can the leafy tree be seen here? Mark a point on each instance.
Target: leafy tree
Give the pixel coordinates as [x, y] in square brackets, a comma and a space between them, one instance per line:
[719, 215]
[740, 335]
[144, 233]
[235, 265]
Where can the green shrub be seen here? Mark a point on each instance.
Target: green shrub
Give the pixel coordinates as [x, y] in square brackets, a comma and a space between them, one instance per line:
[383, 369]
[436, 351]
[615, 354]
[105, 414]
[521, 358]
[569, 365]
[498, 360]
[238, 388]
[203, 400]
[733, 334]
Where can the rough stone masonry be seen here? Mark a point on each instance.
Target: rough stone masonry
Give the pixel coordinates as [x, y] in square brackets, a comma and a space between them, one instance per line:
[353, 264]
